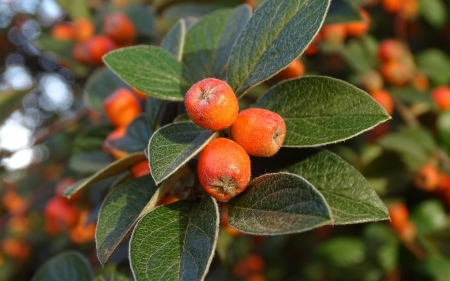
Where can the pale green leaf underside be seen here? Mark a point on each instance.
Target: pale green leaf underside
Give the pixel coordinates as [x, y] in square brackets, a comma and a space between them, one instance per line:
[151, 70]
[209, 41]
[278, 203]
[322, 110]
[173, 145]
[350, 197]
[175, 241]
[277, 33]
[173, 42]
[67, 266]
[115, 168]
[119, 212]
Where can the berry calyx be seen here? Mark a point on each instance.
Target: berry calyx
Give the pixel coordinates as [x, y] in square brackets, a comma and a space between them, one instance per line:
[223, 169]
[212, 104]
[260, 132]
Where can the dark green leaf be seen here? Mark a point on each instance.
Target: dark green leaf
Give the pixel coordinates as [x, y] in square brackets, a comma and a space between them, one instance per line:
[209, 41]
[173, 42]
[437, 268]
[60, 47]
[173, 145]
[119, 213]
[100, 85]
[429, 216]
[349, 196]
[278, 204]
[278, 33]
[332, 250]
[151, 70]
[143, 18]
[433, 11]
[382, 245]
[322, 110]
[342, 12]
[435, 64]
[89, 162]
[67, 266]
[10, 100]
[119, 166]
[136, 137]
[175, 241]
[440, 240]
[153, 109]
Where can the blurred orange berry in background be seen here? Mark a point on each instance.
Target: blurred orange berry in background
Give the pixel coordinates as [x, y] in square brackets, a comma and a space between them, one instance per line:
[59, 210]
[441, 96]
[63, 31]
[82, 233]
[396, 73]
[13, 202]
[121, 107]
[391, 49]
[427, 178]
[15, 248]
[114, 135]
[120, 28]
[83, 29]
[359, 28]
[141, 169]
[294, 70]
[97, 47]
[384, 99]
[334, 33]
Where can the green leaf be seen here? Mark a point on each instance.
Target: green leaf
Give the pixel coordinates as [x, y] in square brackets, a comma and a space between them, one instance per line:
[437, 268]
[89, 162]
[119, 213]
[278, 33]
[173, 42]
[342, 12]
[382, 245]
[151, 70]
[136, 137]
[435, 64]
[433, 11]
[209, 41]
[67, 266]
[349, 196]
[142, 17]
[75, 9]
[443, 127]
[119, 166]
[59, 47]
[429, 216]
[416, 146]
[10, 100]
[332, 250]
[175, 241]
[153, 109]
[439, 240]
[173, 145]
[100, 85]
[322, 110]
[278, 204]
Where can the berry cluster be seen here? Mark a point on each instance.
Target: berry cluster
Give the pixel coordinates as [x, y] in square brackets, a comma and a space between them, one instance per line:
[224, 164]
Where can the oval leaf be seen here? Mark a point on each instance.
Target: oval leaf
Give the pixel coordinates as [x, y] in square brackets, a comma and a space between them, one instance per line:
[173, 145]
[322, 110]
[209, 41]
[136, 137]
[278, 204]
[119, 166]
[119, 212]
[151, 70]
[68, 266]
[173, 42]
[278, 33]
[10, 100]
[351, 200]
[175, 241]
[342, 11]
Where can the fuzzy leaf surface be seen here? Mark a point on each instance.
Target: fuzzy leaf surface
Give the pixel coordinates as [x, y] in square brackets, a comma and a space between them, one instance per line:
[67, 266]
[278, 203]
[277, 33]
[209, 41]
[173, 145]
[322, 110]
[151, 70]
[175, 241]
[173, 42]
[119, 212]
[349, 195]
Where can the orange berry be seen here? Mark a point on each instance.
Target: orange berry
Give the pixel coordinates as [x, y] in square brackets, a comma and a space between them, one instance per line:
[407, 231]
[420, 82]
[398, 213]
[121, 107]
[82, 233]
[396, 73]
[427, 178]
[372, 81]
[359, 28]
[114, 135]
[391, 50]
[313, 48]
[251, 3]
[293, 70]
[410, 9]
[97, 47]
[441, 96]
[384, 99]
[140, 169]
[63, 31]
[83, 29]
[392, 6]
[58, 209]
[260, 132]
[62, 185]
[19, 225]
[223, 169]
[256, 277]
[253, 263]
[167, 199]
[15, 249]
[334, 33]
[80, 52]
[212, 104]
[120, 28]
[14, 203]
